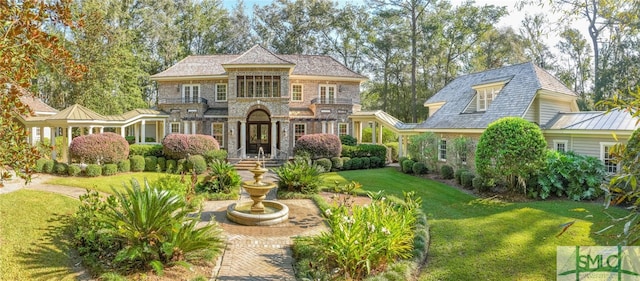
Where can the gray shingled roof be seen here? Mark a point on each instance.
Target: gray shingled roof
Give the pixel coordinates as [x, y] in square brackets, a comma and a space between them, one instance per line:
[513, 99]
[212, 65]
[593, 120]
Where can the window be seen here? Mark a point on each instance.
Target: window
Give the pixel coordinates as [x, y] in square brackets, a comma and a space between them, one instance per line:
[217, 132]
[221, 92]
[175, 127]
[191, 93]
[560, 145]
[259, 86]
[343, 129]
[327, 94]
[610, 164]
[299, 130]
[296, 92]
[486, 96]
[442, 150]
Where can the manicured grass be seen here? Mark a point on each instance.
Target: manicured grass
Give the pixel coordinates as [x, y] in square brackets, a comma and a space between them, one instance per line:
[32, 246]
[105, 183]
[479, 239]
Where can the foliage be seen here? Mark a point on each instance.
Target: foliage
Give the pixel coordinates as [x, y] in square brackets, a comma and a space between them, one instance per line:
[109, 169]
[146, 149]
[162, 164]
[387, 135]
[60, 168]
[124, 166]
[150, 163]
[419, 168]
[197, 163]
[182, 166]
[407, 166]
[48, 166]
[509, 151]
[299, 176]
[377, 162]
[394, 150]
[213, 155]
[40, 165]
[366, 162]
[479, 184]
[324, 163]
[365, 239]
[458, 175]
[130, 139]
[424, 148]
[346, 163]
[569, 174]
[336, 163]
[93, 170]
[355, 163]
[177, 185]
[365, 150]
[180, 146]
[318, 145]
[348, 140]
[137, 163]
[222, 178]
[99, 148]
[172, 166]
[463, 148]
[466, 179]
[446, 171]
[74, 170]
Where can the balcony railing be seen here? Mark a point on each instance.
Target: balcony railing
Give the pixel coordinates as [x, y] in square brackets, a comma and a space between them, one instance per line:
[331, 101]
[182, 101]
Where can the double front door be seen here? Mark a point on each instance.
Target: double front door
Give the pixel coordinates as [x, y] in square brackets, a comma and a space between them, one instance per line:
[259, 136]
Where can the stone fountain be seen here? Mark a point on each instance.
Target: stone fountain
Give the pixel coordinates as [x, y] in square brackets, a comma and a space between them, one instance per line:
[260, 211]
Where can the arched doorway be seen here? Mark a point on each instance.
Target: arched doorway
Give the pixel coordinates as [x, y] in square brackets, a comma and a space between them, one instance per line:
[258, 132]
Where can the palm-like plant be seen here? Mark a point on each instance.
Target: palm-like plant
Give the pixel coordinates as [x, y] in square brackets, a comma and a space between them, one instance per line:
[299, 176]
[155, 228]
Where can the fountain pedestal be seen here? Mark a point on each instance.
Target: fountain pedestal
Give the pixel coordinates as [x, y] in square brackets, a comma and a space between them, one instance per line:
[260, 211]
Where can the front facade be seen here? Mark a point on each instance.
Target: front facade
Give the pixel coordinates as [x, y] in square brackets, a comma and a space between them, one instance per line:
[258, 102]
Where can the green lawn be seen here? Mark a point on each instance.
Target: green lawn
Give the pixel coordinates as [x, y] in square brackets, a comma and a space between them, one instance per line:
[105, 183]
[476, 239]
[31, 245]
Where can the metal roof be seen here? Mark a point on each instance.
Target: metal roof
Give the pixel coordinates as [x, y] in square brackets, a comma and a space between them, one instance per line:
[594, 120]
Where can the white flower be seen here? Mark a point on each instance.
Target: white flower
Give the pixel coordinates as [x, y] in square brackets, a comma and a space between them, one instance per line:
[328, 212]
[356, 242]
[348, 219]
[371, 227]
[385, 231]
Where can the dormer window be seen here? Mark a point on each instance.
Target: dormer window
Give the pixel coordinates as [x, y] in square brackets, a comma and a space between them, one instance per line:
[486, 96]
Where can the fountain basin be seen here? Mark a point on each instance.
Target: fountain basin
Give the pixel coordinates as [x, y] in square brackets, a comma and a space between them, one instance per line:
[274, 213]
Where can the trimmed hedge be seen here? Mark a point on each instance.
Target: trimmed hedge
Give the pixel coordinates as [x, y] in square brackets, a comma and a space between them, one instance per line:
[146, 150]
[150, 163]
[93, 170]
[74, 170]
[40, 165]
[137, 163]
[197, 163]
[366, 162]
[348, 140]
[318, 146]
[109, 169]
[48, 166]
[103, 148]
[325, 163]
[182, 166]
[407, 166]
[365, 150]
[466, 179]
[60, 168]
[419, 168]
[447, 172]
[179, 146]
[376, 162]
[171, 166]
[213, 155]
[346, 163]
[124, 166]
[162, 164]
[336, 163]
[458, 175]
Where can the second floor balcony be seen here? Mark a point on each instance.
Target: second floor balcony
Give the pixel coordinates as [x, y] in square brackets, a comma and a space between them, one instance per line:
[331, 101]
[185, 100]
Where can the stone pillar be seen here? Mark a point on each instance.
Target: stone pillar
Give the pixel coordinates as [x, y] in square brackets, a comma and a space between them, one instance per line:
[143, 131]
[400, 147]
[274, 138]
[284, 139]
[243, 139]
[373, 132]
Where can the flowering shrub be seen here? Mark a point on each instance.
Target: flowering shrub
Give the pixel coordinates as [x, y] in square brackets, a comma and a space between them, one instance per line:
[318, 146]
[99, 148]
[179, 146]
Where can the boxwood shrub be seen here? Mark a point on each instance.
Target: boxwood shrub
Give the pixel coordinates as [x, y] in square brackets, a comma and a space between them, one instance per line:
[376, 162]
[419, 168]
[40, 165]
[124, 166]
[171, 166]
[93, 170]
[318, 146]
[150, 163]
[109, 169]
[179, 146]
[348, 140]
[60, 168]
[182, 166]
[146, 149]
[48, 166]
[458, 175]
[74, 170]
[446, 172]
[366, 162]
[213, 155]
[466, 179]
[103, 148]
[346, 163]
[137, 163]
[162, 164]
[197, 163]
[325, 163]
[407, 166]
[336, 163]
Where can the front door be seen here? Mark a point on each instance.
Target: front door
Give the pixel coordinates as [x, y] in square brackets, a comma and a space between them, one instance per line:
[259, 136]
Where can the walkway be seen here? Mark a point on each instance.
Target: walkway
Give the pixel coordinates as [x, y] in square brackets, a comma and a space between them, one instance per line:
[251, 252]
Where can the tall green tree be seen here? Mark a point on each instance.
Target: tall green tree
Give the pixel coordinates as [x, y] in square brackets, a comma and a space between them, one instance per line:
[240, 36]
[497, 48]
[535, 30]
[575, 64]
[346, 35]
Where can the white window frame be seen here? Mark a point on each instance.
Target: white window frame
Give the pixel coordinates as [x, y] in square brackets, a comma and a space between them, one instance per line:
[301, 92]
[328, 99]
[563, 142]
[171, 127]
[304, 131]
[221, 140]
[609, 169]
[190, 98]
[346, 129]
[226, 91]
[441, 150]
[486, 97]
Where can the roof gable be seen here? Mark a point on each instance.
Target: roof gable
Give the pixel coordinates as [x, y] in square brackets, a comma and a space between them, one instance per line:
[37, 105]
[258, 55]
[77, 112]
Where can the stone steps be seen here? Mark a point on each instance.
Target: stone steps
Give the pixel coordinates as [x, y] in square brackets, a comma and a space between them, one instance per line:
[248, 164]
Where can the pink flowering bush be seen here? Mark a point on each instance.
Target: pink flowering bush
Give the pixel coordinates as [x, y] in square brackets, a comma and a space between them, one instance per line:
[179, 146]
[102, 148]
[318, 146]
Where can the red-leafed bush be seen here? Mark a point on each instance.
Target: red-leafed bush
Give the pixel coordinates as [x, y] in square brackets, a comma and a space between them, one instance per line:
[102, 148]
[179, 146]
[318, 146]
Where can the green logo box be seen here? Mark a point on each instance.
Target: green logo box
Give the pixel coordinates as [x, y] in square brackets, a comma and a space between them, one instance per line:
[598, 263]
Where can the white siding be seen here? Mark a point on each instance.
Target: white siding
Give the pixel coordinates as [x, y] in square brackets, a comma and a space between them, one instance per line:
[549, 109]
[532, 114]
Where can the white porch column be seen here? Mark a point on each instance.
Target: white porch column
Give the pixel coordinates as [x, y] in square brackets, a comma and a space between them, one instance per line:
[243, 139]
[42, 135]
[186, 126]
[373, 132]
[193, 127]
[400, 147]
[136, 132]
[360, 132]
[143, 131]
[380, 134]
[52, 139]
[101, 130]
[332, 127]
[69, 136]
[122, 131]
[324, 127]
[353, 129]
[90, 130]
[274, 138]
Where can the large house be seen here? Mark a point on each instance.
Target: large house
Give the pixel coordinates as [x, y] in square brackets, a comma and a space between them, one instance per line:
[467, 105]
[258, 101]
